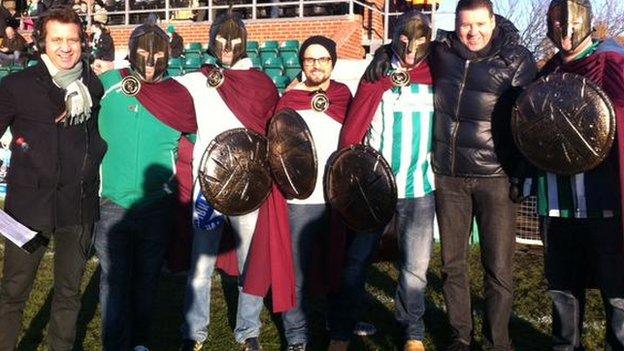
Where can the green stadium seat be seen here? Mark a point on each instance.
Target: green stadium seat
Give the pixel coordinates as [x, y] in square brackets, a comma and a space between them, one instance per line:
[273, 71]
[273, 62]
[176, 62]
[16, 68]
[192, 64]
[281, 82]
[192, 55]
[252, 54]
[175, 71]
[291, 61]
[4, 73]
[267, 54]
[255, 61]
[269, 45]
[209, 60]
[290, 46]
[252, 46]
[194, 47]
[32, 63]
[292, 72]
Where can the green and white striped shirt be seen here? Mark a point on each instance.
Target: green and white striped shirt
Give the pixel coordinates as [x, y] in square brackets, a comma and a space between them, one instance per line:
[402, 132]
[593, 194]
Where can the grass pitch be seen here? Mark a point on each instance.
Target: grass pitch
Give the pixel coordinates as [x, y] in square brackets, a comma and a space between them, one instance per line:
[529, 328]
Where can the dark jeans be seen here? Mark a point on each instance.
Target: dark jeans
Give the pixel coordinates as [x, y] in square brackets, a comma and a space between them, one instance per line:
[308, 224]
[130, 244]
[414, 219]
[457, 200]
[71, 251]
[582, 253]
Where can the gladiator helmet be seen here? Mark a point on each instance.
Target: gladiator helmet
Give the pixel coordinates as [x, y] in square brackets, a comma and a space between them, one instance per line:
[228, 35]
[149, 48]
[569, 18]
[416, 28]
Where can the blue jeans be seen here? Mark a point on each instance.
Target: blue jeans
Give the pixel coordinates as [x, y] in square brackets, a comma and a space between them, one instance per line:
[199, 284]
[414, 218]
[308, 224]
[130, 244]
[581, 253]
[415, 239]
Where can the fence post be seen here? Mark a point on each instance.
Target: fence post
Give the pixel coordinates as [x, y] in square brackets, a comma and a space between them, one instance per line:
[254, 10]
[167, 16]
[351, 7]
[300, 8]
[89, 13]
[386, 20]
[433, 21]
[209, 10]
[127, 12]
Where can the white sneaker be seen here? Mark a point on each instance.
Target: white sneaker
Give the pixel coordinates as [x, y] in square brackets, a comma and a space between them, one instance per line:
[364, 329]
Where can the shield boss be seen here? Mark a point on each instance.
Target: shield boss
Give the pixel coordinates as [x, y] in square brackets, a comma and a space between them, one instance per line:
[359, 184]
[234, 174]
[564, 124]
[292, 156]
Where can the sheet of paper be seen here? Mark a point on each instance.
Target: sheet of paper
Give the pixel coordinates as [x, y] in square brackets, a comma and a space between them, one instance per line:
[14, 230]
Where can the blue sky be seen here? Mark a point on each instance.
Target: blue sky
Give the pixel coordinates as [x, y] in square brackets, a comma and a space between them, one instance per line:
[446, 18]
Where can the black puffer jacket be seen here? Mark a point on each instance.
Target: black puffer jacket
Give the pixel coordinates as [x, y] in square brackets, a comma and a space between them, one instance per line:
[474, 94]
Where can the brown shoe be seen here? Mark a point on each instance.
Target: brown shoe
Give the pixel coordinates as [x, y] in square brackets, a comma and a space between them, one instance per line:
[190, 345]
[338, 345]
[414, 345]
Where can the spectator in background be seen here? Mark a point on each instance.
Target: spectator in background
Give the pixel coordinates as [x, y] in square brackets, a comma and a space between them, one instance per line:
[31, 10]
[102, 45]
[13, 45]
[100, 14]
[5, 17]
[80, 7]
[175, 41]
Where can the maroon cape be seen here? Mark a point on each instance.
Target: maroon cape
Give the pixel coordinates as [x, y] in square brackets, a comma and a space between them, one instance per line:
[173, 105]
[606, 69]
[339, 99]
[168, 101]
[252, 97]
[358, 121]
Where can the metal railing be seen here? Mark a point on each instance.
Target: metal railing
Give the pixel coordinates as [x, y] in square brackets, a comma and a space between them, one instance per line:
[133, 11]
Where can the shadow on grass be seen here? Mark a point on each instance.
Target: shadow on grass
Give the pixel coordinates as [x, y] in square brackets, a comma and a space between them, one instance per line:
[34, 334]
[90, 300]
[229, 285]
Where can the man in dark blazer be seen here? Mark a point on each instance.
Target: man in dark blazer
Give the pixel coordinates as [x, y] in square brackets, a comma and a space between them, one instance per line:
[54, 177]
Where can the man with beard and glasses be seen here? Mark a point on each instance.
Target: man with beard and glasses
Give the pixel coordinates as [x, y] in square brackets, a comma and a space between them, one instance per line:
[322, 105]
[229, 96]
[394, 115]
[52, 110]
[581, 213]
[143, 116]
[478, 70]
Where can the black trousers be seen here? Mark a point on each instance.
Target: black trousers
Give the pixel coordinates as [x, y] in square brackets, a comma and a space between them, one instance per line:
[581, 253]
[71, 250]
[457, 200]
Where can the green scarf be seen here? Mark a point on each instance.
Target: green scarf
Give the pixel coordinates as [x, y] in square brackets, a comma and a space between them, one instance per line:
[77, 97]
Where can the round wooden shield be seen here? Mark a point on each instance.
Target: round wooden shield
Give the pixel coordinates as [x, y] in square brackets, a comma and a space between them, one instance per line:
[292, 156]
[234, 173]
[360, 185]
[564, 124]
